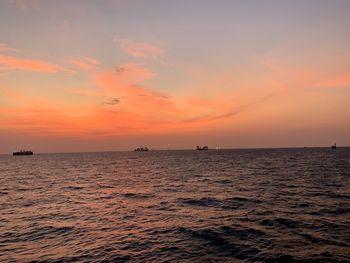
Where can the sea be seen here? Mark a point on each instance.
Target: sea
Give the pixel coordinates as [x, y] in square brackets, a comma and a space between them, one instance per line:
[248, 205]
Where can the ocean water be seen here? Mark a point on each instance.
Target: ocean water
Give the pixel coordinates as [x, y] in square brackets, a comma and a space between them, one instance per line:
[276, 205]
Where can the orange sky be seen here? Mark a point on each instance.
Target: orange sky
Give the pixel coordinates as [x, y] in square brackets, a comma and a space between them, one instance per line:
[87, 77]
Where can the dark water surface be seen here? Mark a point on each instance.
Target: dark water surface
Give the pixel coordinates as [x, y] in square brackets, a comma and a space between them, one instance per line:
[280, 205]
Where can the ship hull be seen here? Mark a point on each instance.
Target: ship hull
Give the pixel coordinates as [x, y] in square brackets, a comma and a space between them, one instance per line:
[22, 153]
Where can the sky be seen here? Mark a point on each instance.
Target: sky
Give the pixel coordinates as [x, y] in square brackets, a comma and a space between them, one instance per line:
[114, 75]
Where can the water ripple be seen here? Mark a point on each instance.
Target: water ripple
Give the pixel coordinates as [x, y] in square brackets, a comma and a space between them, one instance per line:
[282, 205]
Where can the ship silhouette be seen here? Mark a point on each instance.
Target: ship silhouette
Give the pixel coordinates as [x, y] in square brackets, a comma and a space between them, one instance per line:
[22, 153]
[142, 149]
[201, 148]
[334, 146]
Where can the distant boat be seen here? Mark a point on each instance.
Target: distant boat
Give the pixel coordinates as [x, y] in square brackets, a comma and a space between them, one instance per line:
[334, 146]
[202, 148]
[141, 149]
[23, 153]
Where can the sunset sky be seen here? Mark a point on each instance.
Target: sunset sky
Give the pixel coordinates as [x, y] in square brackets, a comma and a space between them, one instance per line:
[114, 75]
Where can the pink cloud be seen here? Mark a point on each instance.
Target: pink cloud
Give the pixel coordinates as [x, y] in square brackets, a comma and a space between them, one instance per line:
[284, 76]
[85, 63]
[133, 72]
[139, 49]
[156, 110]
[86, 93]
[119, 104]
[123, 77]
[124, 82]
[15, 63]
[337, 81]
[6, 48]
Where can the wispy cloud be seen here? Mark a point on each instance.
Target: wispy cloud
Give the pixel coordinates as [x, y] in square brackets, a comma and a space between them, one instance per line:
[286, 77]
[112, 101]
[133, 73]
[119, 102]
[86, 92]
[150, 109]
[14, 63]
[341, 80]
[85, 63]
[139, 49]
[125, 80]
[6, 48]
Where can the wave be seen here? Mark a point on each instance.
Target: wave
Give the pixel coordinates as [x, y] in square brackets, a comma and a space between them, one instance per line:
[37, 233]
[75, 187]
[223, 206]
[282, 222]
[226, 203]
[138, 195]
[225, 240]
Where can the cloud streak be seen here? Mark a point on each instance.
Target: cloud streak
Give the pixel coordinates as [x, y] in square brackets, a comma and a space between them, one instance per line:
[112, 101]
[139, 49]
[6, 48]
[14, 63]
[84, 64]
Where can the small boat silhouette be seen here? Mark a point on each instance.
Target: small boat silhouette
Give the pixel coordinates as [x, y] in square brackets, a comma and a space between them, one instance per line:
[334, 146]
[22, 153]
[141, 149]
[201, 148]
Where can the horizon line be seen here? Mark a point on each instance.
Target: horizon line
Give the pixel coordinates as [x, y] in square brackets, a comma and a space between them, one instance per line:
[192, 149]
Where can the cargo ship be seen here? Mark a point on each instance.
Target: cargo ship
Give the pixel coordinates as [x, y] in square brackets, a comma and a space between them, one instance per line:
[23, 153]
